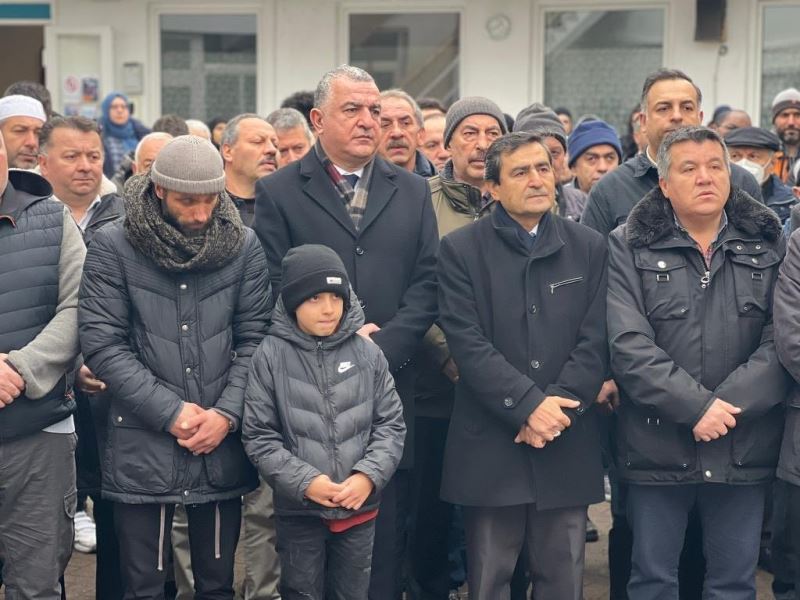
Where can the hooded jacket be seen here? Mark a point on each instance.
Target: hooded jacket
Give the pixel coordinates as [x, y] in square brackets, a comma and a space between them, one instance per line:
[682, 335]
[318, 406]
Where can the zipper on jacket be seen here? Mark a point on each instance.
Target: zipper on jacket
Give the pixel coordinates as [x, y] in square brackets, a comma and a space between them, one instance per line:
[325, 398]
[558, 284]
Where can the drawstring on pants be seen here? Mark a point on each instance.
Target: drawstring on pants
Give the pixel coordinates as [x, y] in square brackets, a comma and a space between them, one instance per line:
[161, 537]
[217, 553]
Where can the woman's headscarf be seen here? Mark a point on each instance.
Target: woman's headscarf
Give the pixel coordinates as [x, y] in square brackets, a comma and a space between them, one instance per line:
[124, 133]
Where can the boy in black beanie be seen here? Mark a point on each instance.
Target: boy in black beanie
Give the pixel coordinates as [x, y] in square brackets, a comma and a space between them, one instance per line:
[324, 427]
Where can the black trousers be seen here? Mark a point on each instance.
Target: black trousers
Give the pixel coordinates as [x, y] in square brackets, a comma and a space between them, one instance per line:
[144, 544]
[428, 553]
[391, 537]
[108, 579]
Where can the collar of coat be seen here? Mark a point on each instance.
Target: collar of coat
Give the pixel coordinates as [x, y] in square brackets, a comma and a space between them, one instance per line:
[548, 236]
[652, 219]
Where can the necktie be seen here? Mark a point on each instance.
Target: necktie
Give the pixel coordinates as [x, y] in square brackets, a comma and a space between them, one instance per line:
[352, 179]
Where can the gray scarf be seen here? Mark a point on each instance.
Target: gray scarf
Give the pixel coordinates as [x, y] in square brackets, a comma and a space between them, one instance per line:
[148, 232]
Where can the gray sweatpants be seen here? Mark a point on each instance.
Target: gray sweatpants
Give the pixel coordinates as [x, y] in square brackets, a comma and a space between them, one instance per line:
[37, 505]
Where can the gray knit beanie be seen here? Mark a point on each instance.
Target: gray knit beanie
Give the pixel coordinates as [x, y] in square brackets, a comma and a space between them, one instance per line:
[788, 98]
[466, 107]
[538, 118]
[189, 164]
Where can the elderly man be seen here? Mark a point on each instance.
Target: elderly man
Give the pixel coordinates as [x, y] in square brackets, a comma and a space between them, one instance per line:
[402, 133]
[21, 120]
[294, 135]
[71, 159]
[174, 300]
[472, 124]
[522, 302]
[702, 392]
[755, 149]
[249, 148]
[147, 149]
[593, 150]
[378, 218]
[433, 140]
[42, 256]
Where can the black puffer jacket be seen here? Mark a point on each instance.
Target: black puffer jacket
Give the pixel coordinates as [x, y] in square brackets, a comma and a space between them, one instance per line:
[157, 339]
[681, 336]
[321, 406]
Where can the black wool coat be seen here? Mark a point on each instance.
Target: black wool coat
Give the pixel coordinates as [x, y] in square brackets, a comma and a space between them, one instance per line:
[521, 326]
[390, 260]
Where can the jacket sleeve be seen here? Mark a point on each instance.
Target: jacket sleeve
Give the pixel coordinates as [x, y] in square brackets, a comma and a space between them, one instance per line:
[399, 338]
[385, 448]
[262, 434]
[646, 374]
[273, 233]
[582, 375]
[760, 383]
[504, 392]
[253, 310]
[104, 323]
[435, 348]
[43, 361]
[787, 310]
[595, 215]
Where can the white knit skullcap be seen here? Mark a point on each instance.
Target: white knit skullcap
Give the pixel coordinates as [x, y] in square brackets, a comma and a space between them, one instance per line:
[21, 106]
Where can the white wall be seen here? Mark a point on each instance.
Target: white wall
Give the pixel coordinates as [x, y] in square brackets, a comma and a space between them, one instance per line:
[300, 39]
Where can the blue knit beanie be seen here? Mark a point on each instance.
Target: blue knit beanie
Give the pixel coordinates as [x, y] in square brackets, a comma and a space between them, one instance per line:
[591, 133]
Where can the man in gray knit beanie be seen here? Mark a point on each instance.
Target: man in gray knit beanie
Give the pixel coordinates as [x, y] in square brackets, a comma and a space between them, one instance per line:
[188, 165]
[540, 119]
[174, 301]
[471, 125]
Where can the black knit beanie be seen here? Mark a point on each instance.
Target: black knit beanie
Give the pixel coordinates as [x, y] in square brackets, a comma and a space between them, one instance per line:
[312, 269]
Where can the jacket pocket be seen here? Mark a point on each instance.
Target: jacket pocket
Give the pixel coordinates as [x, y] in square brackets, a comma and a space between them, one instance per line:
[142, 461]
[665, 284]
[757, 443]
[650, 443]
[558, 284]
[227, 466]
[752, 280]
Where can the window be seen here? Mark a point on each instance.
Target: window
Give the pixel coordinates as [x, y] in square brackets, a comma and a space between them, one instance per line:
[596, 61]
[417, 52]
[780, 55]
[208, 65]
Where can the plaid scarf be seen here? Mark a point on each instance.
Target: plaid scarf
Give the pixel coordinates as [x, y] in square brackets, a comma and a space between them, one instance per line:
[354, 199]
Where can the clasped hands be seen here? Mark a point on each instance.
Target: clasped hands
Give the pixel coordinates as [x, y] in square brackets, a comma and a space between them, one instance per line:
[546, 422]
[717, 421]
[11, 383]
[350, 494]
[199, 430]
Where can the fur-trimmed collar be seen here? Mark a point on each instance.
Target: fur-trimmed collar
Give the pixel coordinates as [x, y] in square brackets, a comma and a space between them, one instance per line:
[652, 218]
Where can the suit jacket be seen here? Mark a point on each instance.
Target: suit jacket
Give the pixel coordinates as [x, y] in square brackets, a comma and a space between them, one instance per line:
[390, 260]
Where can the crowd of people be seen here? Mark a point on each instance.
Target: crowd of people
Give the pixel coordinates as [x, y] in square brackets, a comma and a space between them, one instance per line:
[397, 347]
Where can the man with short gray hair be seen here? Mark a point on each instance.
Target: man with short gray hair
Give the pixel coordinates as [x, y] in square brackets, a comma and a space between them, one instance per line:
[378, 218]
[249, 147]
[402, 133]
[147, 149]
[701, 413]
[294, 135]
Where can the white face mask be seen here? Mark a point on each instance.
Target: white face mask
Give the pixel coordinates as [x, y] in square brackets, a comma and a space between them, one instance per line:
[755, 169]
